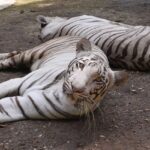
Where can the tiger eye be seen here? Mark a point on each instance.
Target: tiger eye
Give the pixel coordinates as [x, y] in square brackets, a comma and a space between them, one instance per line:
[98, 79]
[81, 65]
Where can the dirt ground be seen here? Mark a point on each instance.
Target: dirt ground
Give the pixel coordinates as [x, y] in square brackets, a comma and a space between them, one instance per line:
[123, 120]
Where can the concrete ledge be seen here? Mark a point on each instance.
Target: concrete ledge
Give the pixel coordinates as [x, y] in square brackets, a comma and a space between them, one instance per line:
[6, 3]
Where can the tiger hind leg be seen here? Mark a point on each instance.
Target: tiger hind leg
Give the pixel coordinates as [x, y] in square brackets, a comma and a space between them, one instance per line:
[8, 55]
[14, 60]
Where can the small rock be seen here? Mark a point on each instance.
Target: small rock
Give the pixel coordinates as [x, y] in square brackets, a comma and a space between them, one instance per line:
[116, 126]
[147, 120]
[102, 136]
[45, 148]
[2, 125]
[35, 130]
[40, 135]
[68, 142]
[80, 145]
[6, 146]
[21, 11]
[32, 10]
[133, 91]
[51, 146]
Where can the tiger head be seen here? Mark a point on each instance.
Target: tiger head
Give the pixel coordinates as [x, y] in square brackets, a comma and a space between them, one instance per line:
[49, 26]
[89, 77]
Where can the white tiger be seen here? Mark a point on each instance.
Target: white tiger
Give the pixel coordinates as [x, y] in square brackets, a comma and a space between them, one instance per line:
[69, 77]
[126, 46]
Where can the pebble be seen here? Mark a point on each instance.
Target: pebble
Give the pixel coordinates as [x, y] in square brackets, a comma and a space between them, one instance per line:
[40, 135]
[116, 126]
[147, 120]
[68, 142]
[102, 136]
[133, 91]
[21, 11]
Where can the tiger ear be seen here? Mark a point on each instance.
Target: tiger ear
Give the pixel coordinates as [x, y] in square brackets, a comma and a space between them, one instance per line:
[83, 45]
[42, 20]
[120, 77]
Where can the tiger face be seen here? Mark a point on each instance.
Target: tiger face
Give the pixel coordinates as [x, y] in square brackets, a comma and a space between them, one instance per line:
[89, 77]
[49, 26]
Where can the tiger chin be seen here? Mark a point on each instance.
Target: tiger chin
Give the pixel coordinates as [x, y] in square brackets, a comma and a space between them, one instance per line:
[69, 77]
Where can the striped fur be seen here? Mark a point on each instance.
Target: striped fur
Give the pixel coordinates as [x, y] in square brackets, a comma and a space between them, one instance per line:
[126, 46]
[68, 78]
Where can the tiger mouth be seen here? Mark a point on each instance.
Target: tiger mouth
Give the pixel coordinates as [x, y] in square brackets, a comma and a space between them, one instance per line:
[84, 104]
[82, 98]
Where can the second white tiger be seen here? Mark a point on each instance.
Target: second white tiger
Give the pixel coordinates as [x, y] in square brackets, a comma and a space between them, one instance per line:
[125, 46]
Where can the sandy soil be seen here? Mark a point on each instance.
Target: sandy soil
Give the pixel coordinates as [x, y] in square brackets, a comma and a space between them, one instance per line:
[123, 120]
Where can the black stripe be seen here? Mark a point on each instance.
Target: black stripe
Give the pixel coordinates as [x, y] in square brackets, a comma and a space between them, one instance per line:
[93, 34]
[100, 35]
[79, 28]
[114, 63]
[125, 38]
[88, 29]
[141, 59]
[37, 108]
[21, 108]
[50, 113]
[103, 44]
[2, 110]
[70, 33]
[137, 44]
[56, 45]
[13, 60]
[148, 64]
[122, 63]
[19, 88]
[71, 28]
[45, 77]
[60, 32]
[10, 64]
[33, 54]
[35, 81]
[125, 50]
[41, 54]
[109, 52]
[57, 109]
[57, 78]
[136, 66]
[81, 32]
[57, 97]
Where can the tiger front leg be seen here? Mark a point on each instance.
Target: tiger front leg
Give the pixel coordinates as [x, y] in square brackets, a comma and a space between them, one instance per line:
[30, 106]
[18, 108]
[10, 87]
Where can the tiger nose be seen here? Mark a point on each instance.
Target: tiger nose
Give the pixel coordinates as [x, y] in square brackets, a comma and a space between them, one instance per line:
[77, 89]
